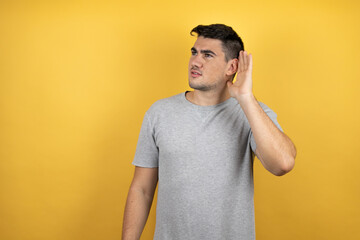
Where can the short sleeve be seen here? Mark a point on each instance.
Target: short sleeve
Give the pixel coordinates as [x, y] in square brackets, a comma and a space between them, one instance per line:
[273, 116]
[147, 153]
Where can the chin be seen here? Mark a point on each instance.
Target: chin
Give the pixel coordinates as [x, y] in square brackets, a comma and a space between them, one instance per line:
[200, 87]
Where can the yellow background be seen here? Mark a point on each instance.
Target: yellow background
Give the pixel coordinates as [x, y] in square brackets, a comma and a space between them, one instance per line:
[76, 78]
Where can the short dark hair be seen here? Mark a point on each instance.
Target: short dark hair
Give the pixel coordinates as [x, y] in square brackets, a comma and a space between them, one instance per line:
[231, 42]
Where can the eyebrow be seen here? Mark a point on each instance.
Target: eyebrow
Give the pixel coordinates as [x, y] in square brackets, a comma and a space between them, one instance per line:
[204, 51]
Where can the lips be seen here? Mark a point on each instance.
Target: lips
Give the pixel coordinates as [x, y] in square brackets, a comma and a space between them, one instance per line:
[195, 73]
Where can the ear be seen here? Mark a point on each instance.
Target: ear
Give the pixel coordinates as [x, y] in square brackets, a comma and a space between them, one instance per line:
[232, 66]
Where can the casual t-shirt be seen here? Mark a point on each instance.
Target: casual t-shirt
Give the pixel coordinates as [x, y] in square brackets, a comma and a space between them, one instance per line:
[204, 156]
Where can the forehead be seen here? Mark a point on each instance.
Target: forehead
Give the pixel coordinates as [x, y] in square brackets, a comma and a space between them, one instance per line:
[214, 45]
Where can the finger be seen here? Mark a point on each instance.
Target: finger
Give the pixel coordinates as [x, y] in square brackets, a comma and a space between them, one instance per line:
[250, 62]
[245, 60]
[241, 61]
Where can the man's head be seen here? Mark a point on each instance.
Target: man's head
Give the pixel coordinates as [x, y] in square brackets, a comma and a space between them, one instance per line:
[214, 57]
[231, 42]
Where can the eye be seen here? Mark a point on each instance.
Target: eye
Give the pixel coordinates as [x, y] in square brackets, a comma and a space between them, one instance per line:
[207, 55]
[193, 52]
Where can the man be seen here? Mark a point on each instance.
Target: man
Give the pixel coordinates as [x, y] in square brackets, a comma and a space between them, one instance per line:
[198, 145]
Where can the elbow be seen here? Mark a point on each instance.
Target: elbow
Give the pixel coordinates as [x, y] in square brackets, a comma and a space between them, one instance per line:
[287, 165]
[282, 171]
[287, 160]
[280, 163]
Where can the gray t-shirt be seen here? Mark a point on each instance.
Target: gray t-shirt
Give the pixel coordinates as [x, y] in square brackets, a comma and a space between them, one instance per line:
[205, 160]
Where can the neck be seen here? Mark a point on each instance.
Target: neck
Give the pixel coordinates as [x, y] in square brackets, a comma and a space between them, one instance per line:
[208, 98]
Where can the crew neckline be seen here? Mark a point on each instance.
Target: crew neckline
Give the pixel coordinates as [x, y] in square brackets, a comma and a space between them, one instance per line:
[209, 107]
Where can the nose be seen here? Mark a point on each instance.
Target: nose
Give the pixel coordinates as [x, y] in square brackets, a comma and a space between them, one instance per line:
[196, 61]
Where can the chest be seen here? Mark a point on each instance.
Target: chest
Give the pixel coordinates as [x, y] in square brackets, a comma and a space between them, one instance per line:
[210, 134]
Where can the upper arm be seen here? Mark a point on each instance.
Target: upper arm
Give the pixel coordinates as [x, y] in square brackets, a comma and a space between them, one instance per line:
[147, 152]
[145, 180]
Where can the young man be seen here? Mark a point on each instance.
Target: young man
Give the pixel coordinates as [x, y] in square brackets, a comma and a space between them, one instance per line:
[198, 145]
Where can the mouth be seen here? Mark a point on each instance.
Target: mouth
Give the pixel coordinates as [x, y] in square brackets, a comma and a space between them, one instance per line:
[195, 73]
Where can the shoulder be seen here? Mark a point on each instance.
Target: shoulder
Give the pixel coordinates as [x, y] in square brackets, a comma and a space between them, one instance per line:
[165, 105]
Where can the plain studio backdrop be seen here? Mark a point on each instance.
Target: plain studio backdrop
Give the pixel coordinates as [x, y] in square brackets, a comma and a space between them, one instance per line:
[76, 78]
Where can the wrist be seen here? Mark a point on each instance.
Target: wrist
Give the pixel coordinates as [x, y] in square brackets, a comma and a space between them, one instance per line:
[245, 98]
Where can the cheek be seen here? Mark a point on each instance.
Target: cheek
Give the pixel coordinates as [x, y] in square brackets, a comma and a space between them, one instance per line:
[216, 69]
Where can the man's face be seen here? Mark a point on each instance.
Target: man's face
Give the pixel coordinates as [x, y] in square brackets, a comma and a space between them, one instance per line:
[207, 65]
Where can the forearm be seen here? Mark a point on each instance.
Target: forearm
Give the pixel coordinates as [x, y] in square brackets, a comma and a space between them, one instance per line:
[136, 213]
[273, 148]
